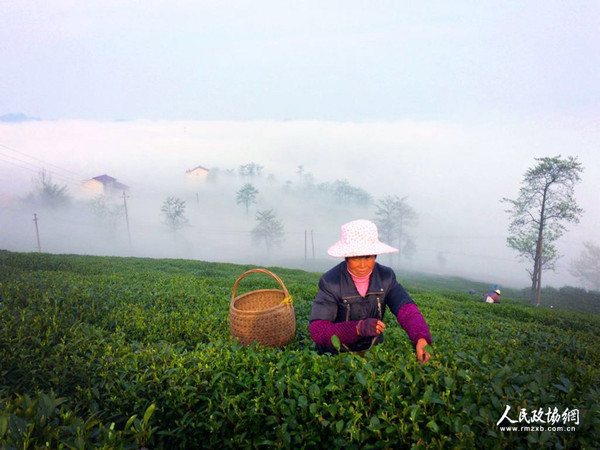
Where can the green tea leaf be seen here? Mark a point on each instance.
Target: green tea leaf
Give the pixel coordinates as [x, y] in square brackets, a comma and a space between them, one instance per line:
[335, 341]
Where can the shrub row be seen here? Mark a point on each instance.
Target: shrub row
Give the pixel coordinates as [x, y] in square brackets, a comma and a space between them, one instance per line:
[128, 353]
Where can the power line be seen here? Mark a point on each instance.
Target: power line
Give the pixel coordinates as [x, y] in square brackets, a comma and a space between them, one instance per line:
[40, 160]
[22, 167]
[37, 169]
[65, 178]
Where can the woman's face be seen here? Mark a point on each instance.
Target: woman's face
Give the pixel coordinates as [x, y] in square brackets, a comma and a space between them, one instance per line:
[360, 266]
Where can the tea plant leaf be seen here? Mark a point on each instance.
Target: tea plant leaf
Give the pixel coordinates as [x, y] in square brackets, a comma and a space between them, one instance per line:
[433, 426]
[361, 378]
[148, 413]
[335, 341]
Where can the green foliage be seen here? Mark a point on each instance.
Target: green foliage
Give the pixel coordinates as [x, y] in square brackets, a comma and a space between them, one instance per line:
[546, 202]
[45, 420]
[569, 297]
[130, 353]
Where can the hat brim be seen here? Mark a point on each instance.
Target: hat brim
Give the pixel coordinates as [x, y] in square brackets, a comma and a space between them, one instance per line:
[344, 250]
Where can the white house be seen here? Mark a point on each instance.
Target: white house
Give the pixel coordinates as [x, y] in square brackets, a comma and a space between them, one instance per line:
[196, 176]
[103, 185]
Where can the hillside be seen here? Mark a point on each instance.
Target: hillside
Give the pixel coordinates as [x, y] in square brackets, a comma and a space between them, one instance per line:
[133, 352]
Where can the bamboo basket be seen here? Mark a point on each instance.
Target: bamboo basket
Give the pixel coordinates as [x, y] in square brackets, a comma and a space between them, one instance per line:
[265, 316]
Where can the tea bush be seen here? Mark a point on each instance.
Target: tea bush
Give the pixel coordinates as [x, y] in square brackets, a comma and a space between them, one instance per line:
[99, 352]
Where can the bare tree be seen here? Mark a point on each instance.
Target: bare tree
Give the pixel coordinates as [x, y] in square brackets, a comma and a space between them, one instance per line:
[394, 218]
[106, 211]
[546, 201]
[48, 193]
[587, 267]
[173, 209]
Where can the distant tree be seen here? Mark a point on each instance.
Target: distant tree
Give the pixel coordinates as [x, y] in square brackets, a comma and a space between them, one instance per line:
[344, 193]
[386, 218]
[213, 175]
[107, 212]
[546, 201]
[306, 179]
[173, 209]
[48, 193]
[250, 170]
[587, 267]
[269, 230]
[441, 259]
[247, 195]
[394, 218]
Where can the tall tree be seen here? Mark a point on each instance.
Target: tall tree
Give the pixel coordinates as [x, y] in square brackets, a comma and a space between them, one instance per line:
[546, 202]
[247, 195]
[587, 266]
[173, 208]
[269, 229]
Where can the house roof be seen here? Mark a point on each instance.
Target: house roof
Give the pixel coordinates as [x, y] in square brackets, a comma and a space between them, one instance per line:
[104, 179]
[110, 181]
[198, 168]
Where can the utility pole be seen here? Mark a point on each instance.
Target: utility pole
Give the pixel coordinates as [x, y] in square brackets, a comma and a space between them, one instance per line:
[305, 245]
[125, 197]
[312, 239]
[37, 232]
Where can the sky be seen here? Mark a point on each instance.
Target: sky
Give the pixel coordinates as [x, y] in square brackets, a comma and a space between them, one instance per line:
[447, 103]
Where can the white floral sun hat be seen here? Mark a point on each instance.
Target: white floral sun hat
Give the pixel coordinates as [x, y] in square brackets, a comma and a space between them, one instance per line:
[359, 238]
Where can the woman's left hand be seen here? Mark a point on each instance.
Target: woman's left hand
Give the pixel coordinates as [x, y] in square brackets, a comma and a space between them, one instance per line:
[422, 355]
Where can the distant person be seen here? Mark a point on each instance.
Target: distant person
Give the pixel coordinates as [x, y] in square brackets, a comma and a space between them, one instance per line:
[493, 296]
[353, 296]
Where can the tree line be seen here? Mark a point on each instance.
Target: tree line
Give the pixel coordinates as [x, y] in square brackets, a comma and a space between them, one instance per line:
[539, 214]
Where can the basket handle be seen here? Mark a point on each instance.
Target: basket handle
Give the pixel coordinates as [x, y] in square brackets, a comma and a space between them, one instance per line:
[285, 291]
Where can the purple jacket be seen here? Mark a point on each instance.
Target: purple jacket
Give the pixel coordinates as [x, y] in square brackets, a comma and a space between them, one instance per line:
[495, 297]
[338, 307]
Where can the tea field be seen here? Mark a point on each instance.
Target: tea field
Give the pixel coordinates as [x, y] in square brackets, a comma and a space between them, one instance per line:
[100, 352]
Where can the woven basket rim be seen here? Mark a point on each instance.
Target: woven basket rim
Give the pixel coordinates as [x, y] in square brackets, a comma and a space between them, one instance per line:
[258, 311]
[264, 271]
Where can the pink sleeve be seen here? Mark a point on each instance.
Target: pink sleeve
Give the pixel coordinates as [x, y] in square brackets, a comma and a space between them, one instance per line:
[410, 318]
[322, 330]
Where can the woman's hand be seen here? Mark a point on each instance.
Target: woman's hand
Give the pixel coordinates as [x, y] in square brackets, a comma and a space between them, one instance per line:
[422, 355]
[370, 327]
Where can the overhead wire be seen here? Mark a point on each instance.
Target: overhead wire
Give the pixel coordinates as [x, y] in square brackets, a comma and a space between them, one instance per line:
[36, 168]
[38, 159]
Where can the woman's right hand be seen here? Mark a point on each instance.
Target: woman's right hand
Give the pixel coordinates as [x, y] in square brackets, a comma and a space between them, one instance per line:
[370, 327]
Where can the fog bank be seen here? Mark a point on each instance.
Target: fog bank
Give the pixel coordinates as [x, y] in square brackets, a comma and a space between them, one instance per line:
[451, 174]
